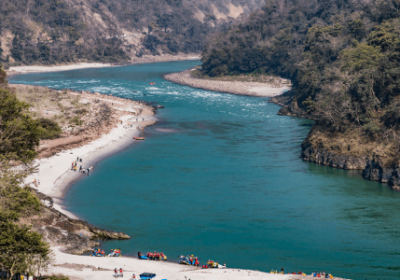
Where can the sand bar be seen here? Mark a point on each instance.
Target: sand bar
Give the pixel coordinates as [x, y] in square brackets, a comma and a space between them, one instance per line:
[76, 66]
[233, 87]
[55, 68]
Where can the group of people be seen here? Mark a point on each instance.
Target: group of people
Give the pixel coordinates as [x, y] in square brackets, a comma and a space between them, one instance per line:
[213, 264]
[97, 252]
[154, 256]
[189, 260]
[115, 253]
[314, 274]
[37, 183]
[322, 275]
[74, 166]
[119, 273]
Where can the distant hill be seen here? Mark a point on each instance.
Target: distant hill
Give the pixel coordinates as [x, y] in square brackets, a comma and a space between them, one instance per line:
[60, 31]
[343, 57]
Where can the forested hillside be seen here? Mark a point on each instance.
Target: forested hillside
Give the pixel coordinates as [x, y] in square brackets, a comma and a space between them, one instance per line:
[343, 57]
[60, 31]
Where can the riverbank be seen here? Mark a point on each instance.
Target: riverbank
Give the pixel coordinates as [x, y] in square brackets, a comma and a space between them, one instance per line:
[76, 66]
[234, 87]
[85, 267]
[212, 275]
[90, 142]
[353, 150]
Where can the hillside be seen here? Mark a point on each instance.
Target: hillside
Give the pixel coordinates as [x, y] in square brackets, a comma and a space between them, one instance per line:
[62, 31]
[343, 60]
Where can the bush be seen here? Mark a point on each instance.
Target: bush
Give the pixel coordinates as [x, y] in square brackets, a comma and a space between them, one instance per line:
[76, 120]
[55, 277]
[49, 129]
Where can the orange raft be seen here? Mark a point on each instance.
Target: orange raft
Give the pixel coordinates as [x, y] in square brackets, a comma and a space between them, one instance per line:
[138, 138]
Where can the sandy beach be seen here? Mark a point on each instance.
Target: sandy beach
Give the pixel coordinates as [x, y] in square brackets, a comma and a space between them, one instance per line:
[76, 66]
[88, 268]
[236, 87]
[55, 174]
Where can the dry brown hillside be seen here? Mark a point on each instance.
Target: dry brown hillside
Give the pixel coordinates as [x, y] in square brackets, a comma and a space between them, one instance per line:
[62, 31]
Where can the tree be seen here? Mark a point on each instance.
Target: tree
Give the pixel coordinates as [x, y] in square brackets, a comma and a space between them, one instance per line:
[363, 60]
[19, 133]
[3, 75]
[19, 247]
[164, 21]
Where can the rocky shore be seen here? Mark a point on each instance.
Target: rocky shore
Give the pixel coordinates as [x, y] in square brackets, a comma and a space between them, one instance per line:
[373, 166]
[74, 236]
[239, 88]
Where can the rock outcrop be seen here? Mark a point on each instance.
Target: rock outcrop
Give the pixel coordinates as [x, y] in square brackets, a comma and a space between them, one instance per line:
[377, 171]
[372, 167]
[329, 158]
[75, 236]
[290, 106]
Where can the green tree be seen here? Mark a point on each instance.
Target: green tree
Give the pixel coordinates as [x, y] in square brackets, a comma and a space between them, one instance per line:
[19, 133]
[363, 61]
[19, 247]
[49, 129]
[3, 75]
[357, 29]
[164, 21]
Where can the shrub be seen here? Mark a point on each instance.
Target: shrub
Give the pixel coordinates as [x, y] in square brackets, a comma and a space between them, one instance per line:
[76, 120]
[49, 129]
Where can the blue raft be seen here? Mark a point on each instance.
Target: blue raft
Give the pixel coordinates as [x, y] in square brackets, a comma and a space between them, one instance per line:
[147, 275]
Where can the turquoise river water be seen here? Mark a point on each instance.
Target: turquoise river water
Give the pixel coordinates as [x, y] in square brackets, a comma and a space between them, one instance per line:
[220, 177]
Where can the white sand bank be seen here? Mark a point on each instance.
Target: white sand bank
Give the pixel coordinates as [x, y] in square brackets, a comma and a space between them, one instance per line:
[76, 66]
[56, 68]
[163, 270]
[267, 91]
[233, 87]
[55, 173]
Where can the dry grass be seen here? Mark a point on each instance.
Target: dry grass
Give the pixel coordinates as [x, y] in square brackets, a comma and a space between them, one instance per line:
[354, 142]
[49, 103]
[83, 116]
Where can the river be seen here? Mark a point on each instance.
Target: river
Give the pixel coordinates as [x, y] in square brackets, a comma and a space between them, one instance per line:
[219, 176]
